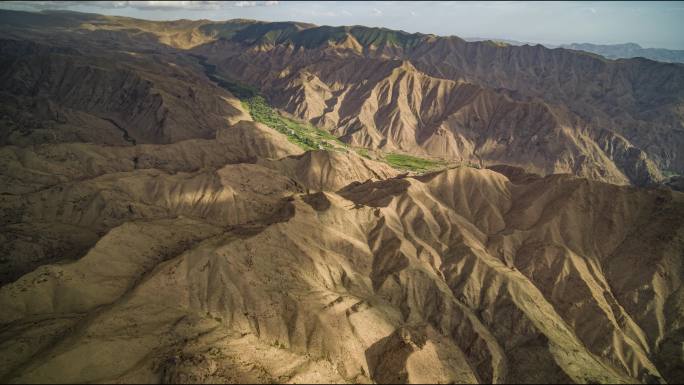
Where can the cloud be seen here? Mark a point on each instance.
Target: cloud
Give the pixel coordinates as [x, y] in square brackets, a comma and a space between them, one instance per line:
[314, 12]
[255, 3]
[143, 5]
[45, 4]
[591, 10]
[161, 5]
[377, 11]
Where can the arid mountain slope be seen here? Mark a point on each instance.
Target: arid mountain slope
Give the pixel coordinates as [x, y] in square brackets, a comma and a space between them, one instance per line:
[638, 102]
[384, 281]
[153, 229]
[619, 121]
[329, 170]
[53, 95]
[54, 208]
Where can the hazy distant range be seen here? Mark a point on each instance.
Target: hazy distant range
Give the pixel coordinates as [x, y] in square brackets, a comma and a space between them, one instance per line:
[610, 51]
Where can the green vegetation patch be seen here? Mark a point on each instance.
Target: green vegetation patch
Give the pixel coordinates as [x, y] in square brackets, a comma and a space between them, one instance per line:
[412, 163]
[315, 37]
[273, 33]
[303, 134]
[363, 152]
[381, 36]
[310, 36]
[225, 30]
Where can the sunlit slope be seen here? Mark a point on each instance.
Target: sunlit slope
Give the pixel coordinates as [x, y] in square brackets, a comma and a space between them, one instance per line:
[459, 276]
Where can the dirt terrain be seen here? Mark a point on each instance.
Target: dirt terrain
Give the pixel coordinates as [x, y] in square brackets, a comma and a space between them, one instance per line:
[158, 228]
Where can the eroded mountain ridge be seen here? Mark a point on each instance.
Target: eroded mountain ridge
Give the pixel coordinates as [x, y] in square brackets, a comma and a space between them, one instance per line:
[145, 210]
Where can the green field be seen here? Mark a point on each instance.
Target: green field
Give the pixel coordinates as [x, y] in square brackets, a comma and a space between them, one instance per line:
[363, 152]
[412, 163]
[309, 137]
[303, 134]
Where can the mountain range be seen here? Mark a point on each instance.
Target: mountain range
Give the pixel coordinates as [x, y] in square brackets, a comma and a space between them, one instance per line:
[629, 50]
[609, 51]
[195, 201]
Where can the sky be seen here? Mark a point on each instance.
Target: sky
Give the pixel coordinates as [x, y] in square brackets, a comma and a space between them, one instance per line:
[653, 24]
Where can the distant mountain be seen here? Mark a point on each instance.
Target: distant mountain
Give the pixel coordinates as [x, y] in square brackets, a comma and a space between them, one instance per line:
[505, 41]
[509, 41]
[629, 50]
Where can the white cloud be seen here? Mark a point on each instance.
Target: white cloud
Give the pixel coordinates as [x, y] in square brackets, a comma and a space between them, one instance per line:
[145, 5]
[44, 4]
[591, 10]
[377, 11]
[159, 5]
[314, 12]
[255, 3]
[142, 5]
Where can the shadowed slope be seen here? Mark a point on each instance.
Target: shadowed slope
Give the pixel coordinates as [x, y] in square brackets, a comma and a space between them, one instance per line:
[457, 268]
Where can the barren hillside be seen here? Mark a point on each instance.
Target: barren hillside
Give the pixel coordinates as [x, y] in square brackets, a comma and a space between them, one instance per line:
[225, 202]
